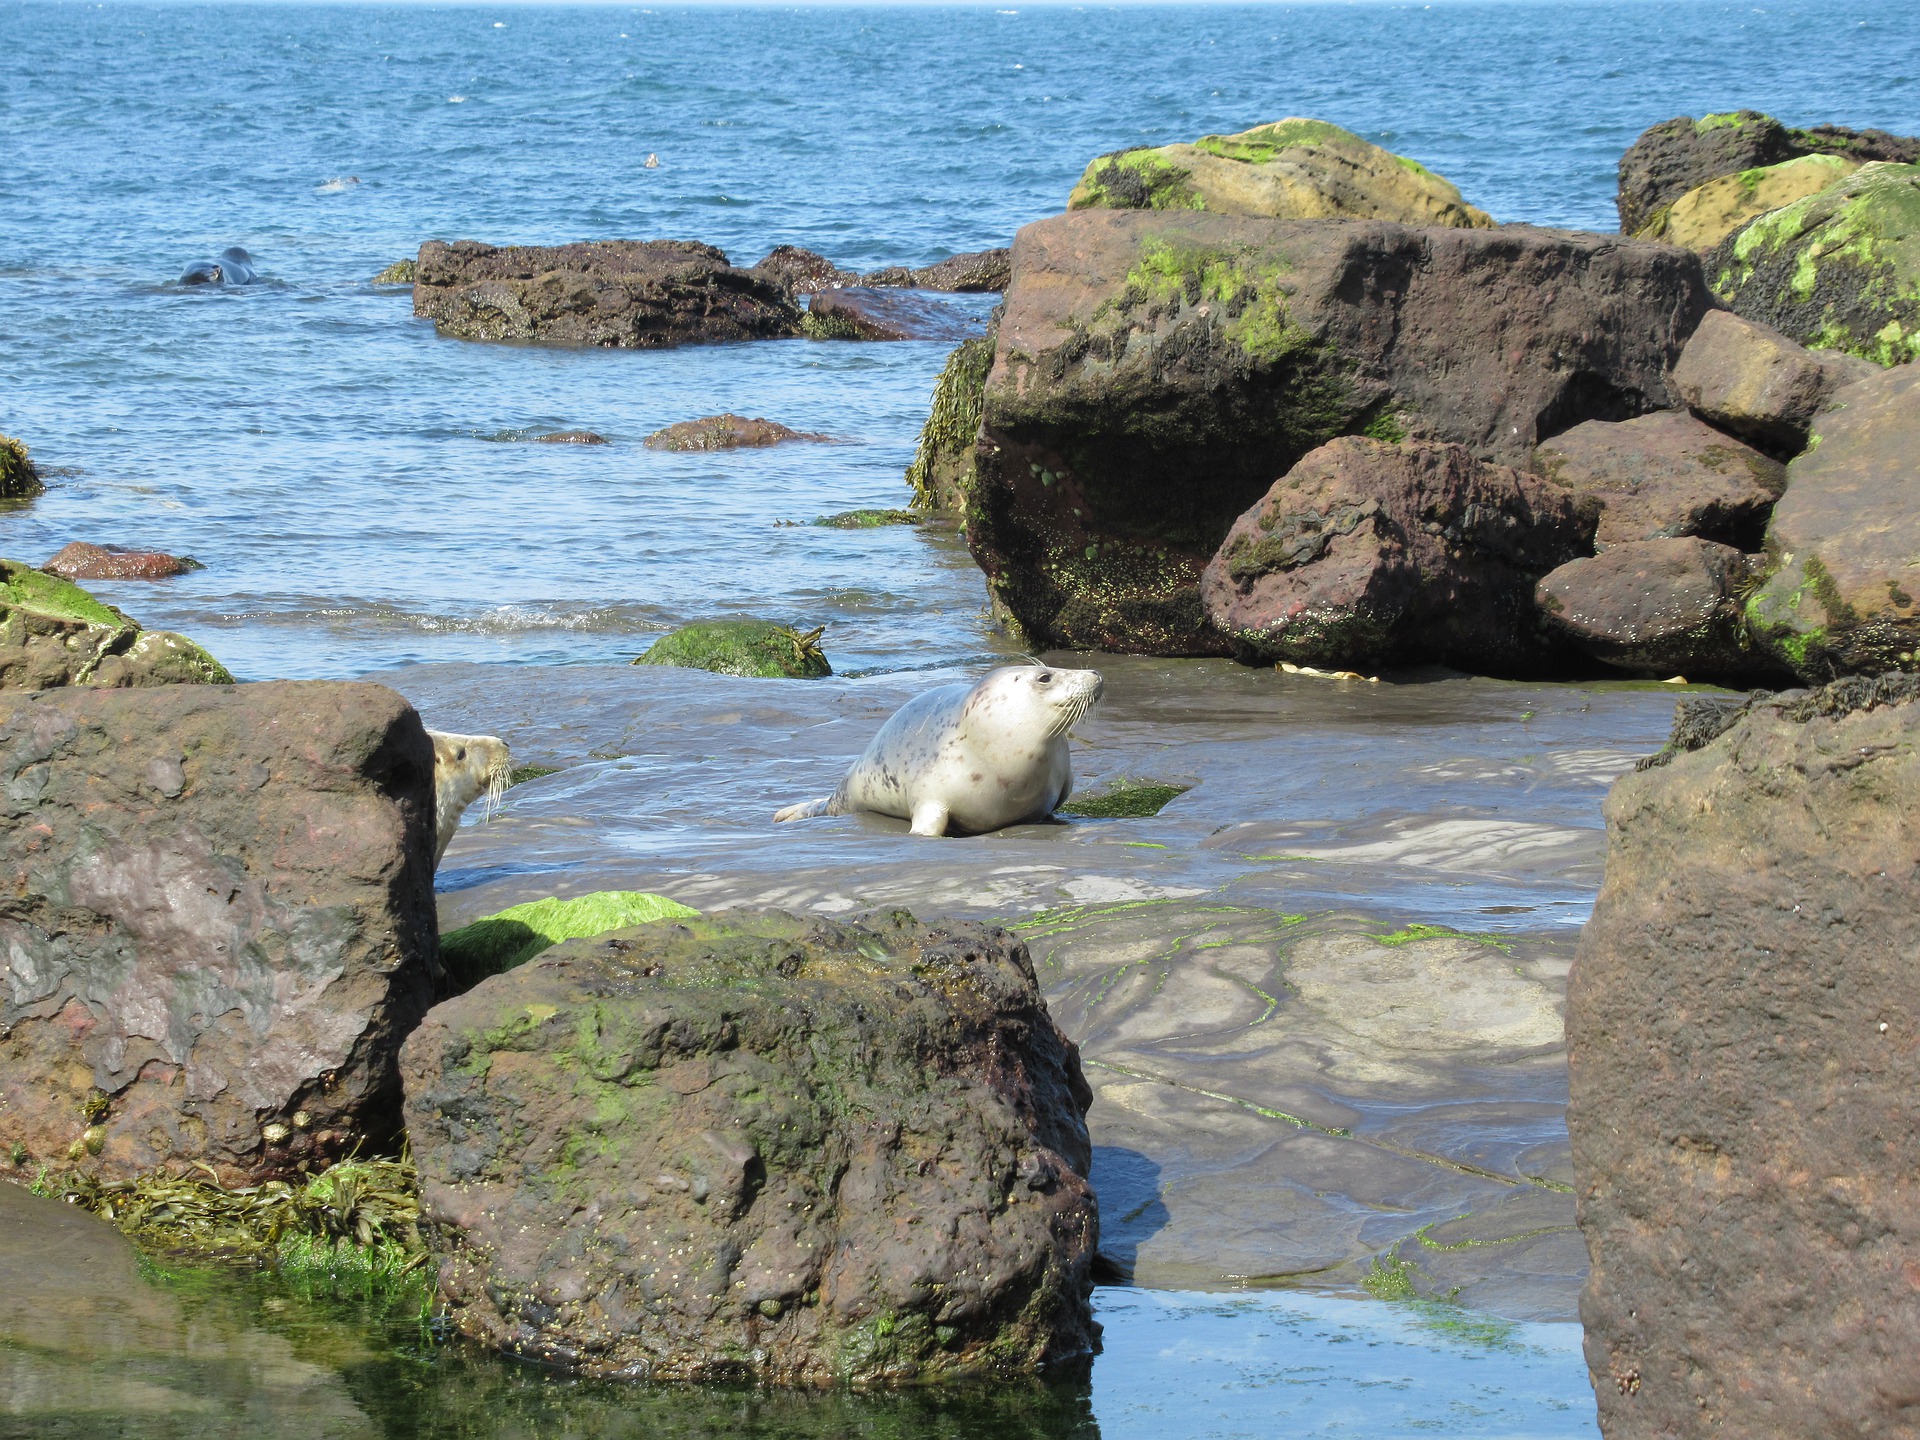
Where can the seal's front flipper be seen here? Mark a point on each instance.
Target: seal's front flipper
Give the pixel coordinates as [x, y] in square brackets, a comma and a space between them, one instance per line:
[929, 818]
[805, 810]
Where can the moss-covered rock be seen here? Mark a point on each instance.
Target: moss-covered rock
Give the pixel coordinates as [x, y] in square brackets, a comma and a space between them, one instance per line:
[497, 943]
[942, 468]
[398, 273]
[53, 633]
[1839, 270]
[757, 1146]
[19, 480]
[869, 519]
[757, 649]
[1291, 169]
[1707, 214]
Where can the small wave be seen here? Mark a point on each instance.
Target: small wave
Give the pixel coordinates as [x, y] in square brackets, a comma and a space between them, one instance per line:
[337, 184]
[456, 99]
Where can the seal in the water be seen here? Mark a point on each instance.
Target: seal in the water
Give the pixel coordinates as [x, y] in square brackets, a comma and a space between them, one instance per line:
[234, 267]
[970, 758]
[464, 768]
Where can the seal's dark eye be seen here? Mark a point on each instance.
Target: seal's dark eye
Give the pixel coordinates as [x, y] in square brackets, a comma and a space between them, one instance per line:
[1043, 679]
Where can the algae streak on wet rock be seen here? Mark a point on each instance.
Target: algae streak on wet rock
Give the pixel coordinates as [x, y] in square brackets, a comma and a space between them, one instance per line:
[1839, 269]
[53, 633]
[1745, 1079]
[1292, 169]
[1154, 373]
[220, 923]
[760, 1146]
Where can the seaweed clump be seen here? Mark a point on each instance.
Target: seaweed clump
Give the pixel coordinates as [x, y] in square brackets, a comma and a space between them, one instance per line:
[19, 480]
[754, 649]
[942, 470]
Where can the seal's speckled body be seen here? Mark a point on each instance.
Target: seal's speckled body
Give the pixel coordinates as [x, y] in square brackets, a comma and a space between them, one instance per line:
[970, 758]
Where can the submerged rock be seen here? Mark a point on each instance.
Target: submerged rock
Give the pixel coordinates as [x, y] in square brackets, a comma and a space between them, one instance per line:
[626, 293]
[866, 313]
[81, 561]
[728, 432]
[1745, 1084]
[19, 479]
[1707, 214]
[222, 926]
[570, 437]
[1844, 598]
[1660, 608]
[1153, 372]
[1752, 381]
[1291, 169]
[757, 649]
[53, 633]
[1677, 156]
[1839, 269]
[1663, 475]
[870, 519]
[761, 1147]
[1367, 554]
[497, 943]
[400, 272]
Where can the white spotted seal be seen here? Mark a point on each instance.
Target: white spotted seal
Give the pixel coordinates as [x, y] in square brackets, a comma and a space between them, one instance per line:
[464, 768]
[970, 758]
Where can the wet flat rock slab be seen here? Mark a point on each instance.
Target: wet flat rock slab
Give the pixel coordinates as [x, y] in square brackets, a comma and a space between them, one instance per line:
[1283, 1098]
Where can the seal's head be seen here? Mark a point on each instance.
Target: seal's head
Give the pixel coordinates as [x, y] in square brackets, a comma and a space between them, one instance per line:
[465, 767]
[1033, 698]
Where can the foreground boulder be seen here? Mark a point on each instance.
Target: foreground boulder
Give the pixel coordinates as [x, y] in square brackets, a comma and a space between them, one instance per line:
[1845, 597]
[82, 561]
[219, 925]
[53, 633]
[1839, 269]
[19, 479]
[1750, 380]
[1154, 372]
[1745, 1082]
[729, 432]
[1676, 156]
[1659, 608]
[1707, 214]
[1367, 554]
[753, 649]
[1663, 475]
[761, 1147]
[626, 293]
[1292, 169]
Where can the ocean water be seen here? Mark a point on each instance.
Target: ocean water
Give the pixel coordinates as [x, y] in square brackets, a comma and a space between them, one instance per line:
[329, 459]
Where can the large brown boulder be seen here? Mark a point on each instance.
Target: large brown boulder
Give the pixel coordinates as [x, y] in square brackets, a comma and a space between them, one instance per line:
[53, 633]
[1750, 380]
[1154, 371]
[1368, 554]
[218, 923]
[1676, 156]
[1839, 269]
[1659, 608]
[1663, 475]
[1746, 1083]
[1291, 169]
[760, 1146]
[1845, 597]
[626, 293]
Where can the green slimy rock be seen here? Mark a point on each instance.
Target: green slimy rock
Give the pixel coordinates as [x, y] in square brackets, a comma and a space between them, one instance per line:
[1291, 169]
[1125, 800]
[942, 470]
[761, 1147]
[1838, 270]
[755, 649]
[53, 633]
[869, 519]
[398, 273]
[498, 943]
[18, 478]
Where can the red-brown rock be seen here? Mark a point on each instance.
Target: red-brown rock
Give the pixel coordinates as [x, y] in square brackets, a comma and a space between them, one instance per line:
[801, 272]
[81, 561]
[1749, 379]
[729, 432]
[1367, 554]
[218, 923]
[1664, 475]
[1745, 1070]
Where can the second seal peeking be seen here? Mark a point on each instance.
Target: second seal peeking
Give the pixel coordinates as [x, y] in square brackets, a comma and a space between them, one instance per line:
[963, 759]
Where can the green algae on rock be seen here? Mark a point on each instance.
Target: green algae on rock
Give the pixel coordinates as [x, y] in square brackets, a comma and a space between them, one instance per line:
[497, 943]
[754, 649]
[942, 470]
[1707, 214]
[19, 480]
[1839, 270]
[869, 519]
[1290, 169]
[758, 1146]
[398, 273]
[1125, 799]
[53, 633]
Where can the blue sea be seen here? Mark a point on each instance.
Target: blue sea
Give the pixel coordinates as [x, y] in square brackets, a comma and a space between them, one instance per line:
[362, 496]
[341, 471]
